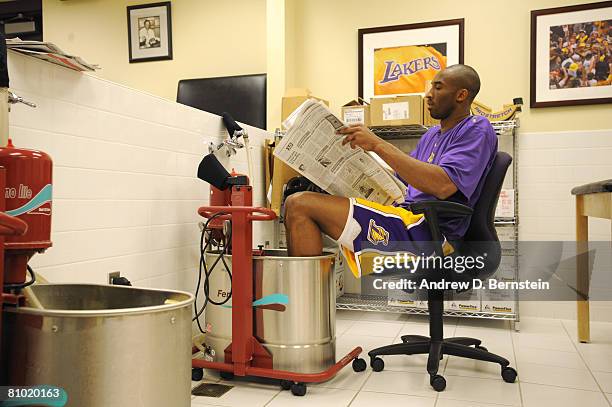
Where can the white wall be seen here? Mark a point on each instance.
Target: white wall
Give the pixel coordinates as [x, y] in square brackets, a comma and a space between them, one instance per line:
[550, 165]
[125, 193]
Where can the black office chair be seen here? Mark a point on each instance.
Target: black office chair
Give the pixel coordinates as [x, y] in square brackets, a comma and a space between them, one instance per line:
[480, 238]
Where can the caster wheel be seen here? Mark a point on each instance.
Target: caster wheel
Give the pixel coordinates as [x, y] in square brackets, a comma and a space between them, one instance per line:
[197, 374]
[227, 375]
[438, 382]
[298, 389]
[377, 364]
[509, 374]
[481, 348]
[286, 384]
[359, 365]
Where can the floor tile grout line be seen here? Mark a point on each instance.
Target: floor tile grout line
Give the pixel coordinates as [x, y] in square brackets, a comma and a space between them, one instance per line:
[370, 371]
[514, 349]
[575, 345]
[488, 402]
[275, 396]
[360, 388]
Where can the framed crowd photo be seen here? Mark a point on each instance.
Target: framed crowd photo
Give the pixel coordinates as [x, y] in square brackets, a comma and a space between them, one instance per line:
[149, 32]
[403, 59]
[571, 55]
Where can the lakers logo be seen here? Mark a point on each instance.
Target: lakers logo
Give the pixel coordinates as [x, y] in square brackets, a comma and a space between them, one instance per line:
[377, 234]
[406, 69]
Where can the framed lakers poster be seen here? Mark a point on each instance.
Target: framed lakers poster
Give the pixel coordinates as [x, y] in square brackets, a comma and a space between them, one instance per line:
[403, 59]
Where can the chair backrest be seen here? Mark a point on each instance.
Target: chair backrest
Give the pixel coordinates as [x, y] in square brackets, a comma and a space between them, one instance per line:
[481, 235]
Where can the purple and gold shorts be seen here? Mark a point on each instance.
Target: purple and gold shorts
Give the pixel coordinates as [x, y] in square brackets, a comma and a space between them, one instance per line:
[373, 229]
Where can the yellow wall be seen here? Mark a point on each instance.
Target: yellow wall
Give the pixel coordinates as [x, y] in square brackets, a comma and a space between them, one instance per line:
[497, 38]
[210, 38]
[216, 38]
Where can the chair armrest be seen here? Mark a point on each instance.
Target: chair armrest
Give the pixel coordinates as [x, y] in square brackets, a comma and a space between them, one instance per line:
[446, 207]
[431, 209]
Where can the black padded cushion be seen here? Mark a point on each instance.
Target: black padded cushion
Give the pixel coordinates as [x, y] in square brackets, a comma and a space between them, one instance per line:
[243, 96]
[481, 236]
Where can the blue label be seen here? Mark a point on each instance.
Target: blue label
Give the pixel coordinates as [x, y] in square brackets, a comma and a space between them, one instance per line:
[39, 200]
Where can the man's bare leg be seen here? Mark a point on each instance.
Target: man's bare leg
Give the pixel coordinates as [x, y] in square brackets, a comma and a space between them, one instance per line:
[307, 214]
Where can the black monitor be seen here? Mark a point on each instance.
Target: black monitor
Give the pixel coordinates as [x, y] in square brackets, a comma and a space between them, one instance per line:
[243, 97]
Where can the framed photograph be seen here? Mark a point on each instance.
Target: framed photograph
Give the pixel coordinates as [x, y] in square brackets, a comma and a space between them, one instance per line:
[403, 59]
[149, 32]
[571, 55]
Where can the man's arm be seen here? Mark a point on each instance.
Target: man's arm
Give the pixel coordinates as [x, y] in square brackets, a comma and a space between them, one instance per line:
[425, 177]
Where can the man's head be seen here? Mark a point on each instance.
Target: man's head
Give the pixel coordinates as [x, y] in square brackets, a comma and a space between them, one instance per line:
[147, 24]
[452, 89]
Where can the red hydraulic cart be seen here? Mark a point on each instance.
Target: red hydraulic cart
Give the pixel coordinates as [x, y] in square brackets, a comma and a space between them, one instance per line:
[246, 356]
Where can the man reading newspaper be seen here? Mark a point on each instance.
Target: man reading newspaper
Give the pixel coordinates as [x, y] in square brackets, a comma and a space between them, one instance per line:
[450, 162]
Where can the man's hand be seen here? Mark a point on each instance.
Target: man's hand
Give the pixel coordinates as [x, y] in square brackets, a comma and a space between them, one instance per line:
[359, 135]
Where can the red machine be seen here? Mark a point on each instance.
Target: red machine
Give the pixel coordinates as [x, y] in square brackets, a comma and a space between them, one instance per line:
[246, 356]
[28, 197]
[25, 216]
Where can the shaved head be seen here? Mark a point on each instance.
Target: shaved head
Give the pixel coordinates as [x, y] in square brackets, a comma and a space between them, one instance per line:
[464, 77]
[453, 90]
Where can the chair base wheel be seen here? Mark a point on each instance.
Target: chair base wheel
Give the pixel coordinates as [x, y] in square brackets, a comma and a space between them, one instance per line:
[509, 374]
[286, 384]
[226, 375]
[197, 374]
[438, 382]
[359, 365]
[377, 364]
[298, 389]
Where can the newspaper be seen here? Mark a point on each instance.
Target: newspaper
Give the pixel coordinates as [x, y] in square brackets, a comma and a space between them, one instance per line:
[49, 52]
[312, 148]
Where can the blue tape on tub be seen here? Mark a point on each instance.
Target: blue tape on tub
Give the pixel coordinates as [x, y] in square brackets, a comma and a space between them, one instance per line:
[268, 299]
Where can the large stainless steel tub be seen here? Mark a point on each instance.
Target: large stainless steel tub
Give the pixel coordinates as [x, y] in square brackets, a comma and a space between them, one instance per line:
[301, 334]
[105, 345]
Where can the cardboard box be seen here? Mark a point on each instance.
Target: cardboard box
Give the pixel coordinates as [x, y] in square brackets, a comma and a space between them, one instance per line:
[401, 298]
[448, 297]
[505, 204]
[281, 233]
[355, 112]
[396, 111]
[281, 172]
[506, 270]
[428, 121]
[338, 269]
[466, 301]
[497, 303]
[293, 98]
[506, 233]
[339, 281]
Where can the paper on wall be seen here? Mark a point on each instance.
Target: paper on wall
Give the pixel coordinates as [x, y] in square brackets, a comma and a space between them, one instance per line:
[49, 52]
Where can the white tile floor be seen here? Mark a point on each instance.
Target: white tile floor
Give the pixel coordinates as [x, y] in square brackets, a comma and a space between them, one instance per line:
[554, 370]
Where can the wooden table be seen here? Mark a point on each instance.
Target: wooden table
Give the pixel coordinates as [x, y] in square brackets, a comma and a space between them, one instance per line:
[591, 200]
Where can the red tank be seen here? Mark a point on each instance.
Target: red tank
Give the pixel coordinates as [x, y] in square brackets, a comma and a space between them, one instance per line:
[27, 196]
